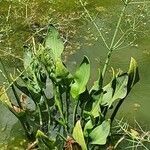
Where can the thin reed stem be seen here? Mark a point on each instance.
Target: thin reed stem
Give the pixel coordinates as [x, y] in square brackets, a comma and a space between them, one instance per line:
[96, 26]
[111, 48]
[10, 54]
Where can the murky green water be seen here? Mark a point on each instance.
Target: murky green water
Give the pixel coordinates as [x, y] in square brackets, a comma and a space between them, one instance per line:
[19, 20]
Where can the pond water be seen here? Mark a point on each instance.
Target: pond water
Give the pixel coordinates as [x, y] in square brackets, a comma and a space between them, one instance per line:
[20, 20]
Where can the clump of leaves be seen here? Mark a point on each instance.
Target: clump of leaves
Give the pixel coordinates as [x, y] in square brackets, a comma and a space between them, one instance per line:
[73, 116]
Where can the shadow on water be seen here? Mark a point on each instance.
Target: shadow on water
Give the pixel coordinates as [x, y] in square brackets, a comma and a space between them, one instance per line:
[20, 20]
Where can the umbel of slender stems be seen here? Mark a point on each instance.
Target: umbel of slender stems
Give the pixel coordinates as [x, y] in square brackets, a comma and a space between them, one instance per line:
[110, 48]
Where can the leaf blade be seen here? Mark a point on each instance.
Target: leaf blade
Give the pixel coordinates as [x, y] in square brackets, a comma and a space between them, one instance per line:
[100, 133]
[54, 43]
[81, 78]
[78, 135]
[133, 73]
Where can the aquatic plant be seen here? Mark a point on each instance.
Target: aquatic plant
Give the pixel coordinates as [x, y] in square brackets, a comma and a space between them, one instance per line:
[66, 113]
[72, 113]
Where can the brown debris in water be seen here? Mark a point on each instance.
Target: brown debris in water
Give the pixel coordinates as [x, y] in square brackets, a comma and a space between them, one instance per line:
[71, 144]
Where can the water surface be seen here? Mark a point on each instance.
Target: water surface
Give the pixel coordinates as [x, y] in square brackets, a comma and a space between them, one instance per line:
[22, 19]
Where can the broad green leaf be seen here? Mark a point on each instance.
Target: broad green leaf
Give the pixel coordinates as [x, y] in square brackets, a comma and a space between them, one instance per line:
[100, 133]
[78, 135]
[61, 70]
[95, 112]
[81, 78]
[121, 87]
[133, 74]
[115, 90]
[88, 127]
[97, 84]
[95, 87]
[28, 59]
[44, 139]
[4, 97]
[108, 91]
[54, 43]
